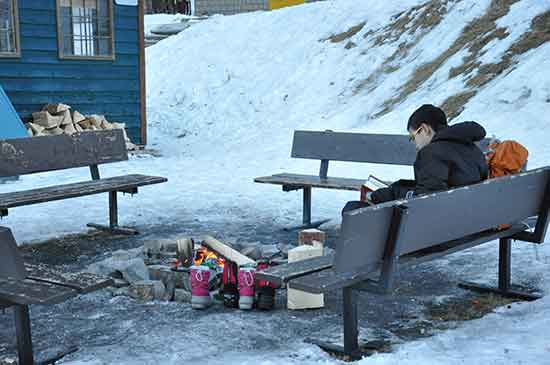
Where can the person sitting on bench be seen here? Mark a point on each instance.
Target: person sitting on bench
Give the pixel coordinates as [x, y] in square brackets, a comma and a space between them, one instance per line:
[446, 157]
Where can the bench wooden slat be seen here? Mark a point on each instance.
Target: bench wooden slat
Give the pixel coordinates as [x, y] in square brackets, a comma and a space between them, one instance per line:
[331, 279]
[297, 180]
[82, 282]
[354, 147]
[39, 154]
[29, 291]
[281, 274]
[73, 190]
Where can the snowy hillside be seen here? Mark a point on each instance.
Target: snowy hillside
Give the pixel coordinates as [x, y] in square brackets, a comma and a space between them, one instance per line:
[354, 65]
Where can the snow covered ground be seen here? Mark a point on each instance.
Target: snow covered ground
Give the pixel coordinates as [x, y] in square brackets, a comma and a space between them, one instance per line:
[225, 96]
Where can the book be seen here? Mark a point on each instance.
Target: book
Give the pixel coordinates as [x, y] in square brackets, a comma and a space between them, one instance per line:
[371, 184]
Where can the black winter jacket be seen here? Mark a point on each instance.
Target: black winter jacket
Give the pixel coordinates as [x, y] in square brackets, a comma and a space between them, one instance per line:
[450, 160]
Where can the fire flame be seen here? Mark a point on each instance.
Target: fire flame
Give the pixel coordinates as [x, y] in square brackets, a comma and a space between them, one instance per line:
[204, 254]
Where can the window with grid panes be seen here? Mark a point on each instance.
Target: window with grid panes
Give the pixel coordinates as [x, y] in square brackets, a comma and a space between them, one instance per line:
[85, 29]
[9, 37]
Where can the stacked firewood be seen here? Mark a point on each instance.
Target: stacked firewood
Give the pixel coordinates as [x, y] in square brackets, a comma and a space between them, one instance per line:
[55, 119]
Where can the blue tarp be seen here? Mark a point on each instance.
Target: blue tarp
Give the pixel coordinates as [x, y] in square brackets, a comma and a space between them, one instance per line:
[11, 125]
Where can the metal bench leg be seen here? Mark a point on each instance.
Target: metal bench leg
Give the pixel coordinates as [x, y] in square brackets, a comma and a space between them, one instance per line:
[23, 330]
[350, 351]
[306, 213]
[113, 219]
[351, 333]
[504, 277]
[113, 210]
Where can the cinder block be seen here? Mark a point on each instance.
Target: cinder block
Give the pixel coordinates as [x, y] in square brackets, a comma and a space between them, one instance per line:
[297, 299]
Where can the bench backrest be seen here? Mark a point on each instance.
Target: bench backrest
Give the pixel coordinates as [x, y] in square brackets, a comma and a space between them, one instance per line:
[11, 262]
[353, 147]
[441, 217]
[39, 154]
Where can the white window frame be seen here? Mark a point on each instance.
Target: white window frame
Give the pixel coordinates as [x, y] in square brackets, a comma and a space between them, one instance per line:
[84, 46]
[15, 22]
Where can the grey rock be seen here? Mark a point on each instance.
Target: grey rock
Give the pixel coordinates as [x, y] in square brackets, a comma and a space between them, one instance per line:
[152, 248]
[135, 271]
[147, 290]
[170, 246]
[254, 252]
[283, 248]
[130, 270]
[182, 296]
[160, 248]
[120, 283]
[182, 280]
[159, 290]
[269, 250]
[126, 254]
[167, 276]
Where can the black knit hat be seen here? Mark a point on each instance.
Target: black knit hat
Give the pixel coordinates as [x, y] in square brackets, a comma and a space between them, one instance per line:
[429, 114]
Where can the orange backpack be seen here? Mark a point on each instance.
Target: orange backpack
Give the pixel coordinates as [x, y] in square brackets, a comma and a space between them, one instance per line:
[506, 158]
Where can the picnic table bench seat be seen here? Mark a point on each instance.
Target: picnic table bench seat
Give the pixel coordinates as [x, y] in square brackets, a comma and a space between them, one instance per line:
[51, 153]
[23, 284]
[376, 241]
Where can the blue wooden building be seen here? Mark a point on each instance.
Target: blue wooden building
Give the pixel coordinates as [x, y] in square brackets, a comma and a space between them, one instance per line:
[88, 54]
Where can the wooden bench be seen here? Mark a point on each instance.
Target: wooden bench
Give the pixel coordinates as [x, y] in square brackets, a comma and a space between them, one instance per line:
[51, 153]
[375, 241]
[337, 146]
[329, 146]
[22, 285]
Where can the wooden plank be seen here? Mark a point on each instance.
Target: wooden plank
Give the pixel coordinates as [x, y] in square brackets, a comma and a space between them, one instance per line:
[58, 192]
[32, 292]
[227, 251]
[296, 180]
[330, 279]
[281, 274]
[354, 147]
[82, 282]
[447, 248]
[108, 97]
[29, 155]
[68, 85]
[451, 215]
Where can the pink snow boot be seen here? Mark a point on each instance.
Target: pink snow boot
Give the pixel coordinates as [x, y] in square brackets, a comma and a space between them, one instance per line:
[247, 281]
[200, 295]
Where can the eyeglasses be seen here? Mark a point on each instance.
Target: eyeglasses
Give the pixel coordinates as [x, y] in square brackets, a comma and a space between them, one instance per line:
[413, 135]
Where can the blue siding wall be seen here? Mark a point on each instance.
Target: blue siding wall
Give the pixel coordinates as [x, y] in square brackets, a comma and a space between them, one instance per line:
[39, 77]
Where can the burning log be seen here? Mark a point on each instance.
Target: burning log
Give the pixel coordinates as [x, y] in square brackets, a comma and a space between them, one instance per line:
[226, 251]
